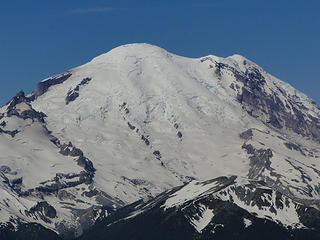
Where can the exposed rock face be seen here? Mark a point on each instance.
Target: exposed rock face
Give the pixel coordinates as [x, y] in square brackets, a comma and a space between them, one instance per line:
[19, 98]
[42, 87]
[63, 181]
[278, 114]
[43, 210]
[157, 154]
[74, 93]
[268, 107]
[11, 133]
[246, 135]
[259, 160]
[70, 150]
[24, 114]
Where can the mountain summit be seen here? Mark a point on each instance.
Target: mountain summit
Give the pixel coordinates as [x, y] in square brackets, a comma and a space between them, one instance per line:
[138, 121]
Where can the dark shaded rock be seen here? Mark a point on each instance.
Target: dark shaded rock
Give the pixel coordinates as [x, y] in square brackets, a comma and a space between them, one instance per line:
[26, 114]
[179, 134]
[309, 217]
[65, 149]
[19, 98]
[84, 177]
[15, 184]
[70, 150]
[262, 105]
[145, 139]
[219, 66]
[62, 181]
[64, 195]
[16, 181]
[12, 112]
[91, 193]
[76, 152]
[123, 107]
[43, 209]
[259, 159]
[33, 114]
[255, 78]
[55, 141]
[249, 148]
[47, 189]
[86, 164]
[3, 124]
[246, 135]
[71, 96]
[273, 120]
[189, 178]
[66, 176]
[5, 169]
[157, 154]
[42, 87]
[292, 146]
[85, 81]
[74, 93]
[262, 156]
[131, 126]
[305, 178]
[11, 133]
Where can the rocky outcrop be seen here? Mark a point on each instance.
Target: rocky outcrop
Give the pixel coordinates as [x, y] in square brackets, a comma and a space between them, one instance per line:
[74, 93]
[42, 87]
[157, 154]
[228, 210]
[259, 160]
[145, 139]
[19, 98]
[9, 132]
[267, 106]
[30, 113]
[246, 135]
[277, 113]
[42, 210]
[64, 181]
[70, 150]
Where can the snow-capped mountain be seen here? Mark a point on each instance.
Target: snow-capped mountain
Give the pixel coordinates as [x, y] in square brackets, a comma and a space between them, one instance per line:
[138, 121]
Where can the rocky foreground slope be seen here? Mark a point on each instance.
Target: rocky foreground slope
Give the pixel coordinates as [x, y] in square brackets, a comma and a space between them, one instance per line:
[138, 121]
[222, 208]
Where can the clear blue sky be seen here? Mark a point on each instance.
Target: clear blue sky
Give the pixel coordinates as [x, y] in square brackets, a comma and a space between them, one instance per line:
[42, 38]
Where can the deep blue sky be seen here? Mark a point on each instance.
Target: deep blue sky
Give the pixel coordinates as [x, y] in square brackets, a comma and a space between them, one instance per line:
[42, 38]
